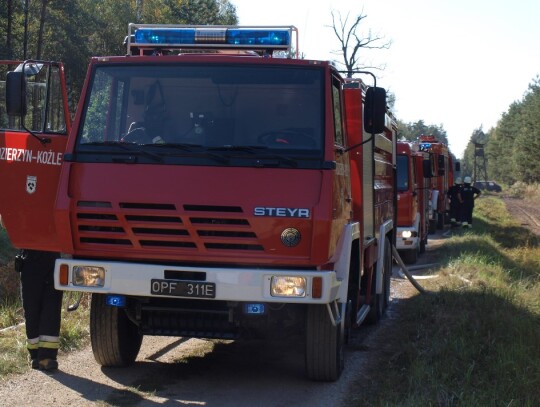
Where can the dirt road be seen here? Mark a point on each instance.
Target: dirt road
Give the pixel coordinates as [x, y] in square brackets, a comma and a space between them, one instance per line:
[193, 372]
[526, 211]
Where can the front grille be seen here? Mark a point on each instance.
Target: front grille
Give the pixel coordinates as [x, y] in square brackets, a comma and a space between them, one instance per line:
[192, 322]
[163, 226]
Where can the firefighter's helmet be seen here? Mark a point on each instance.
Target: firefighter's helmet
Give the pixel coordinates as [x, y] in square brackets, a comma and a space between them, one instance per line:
[458, 181]
[467, 180]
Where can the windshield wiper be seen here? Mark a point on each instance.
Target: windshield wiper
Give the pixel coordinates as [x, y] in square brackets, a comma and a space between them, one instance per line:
[178, 146]
[129, 147]
[229, 147]
[190, 148]
[264, 160]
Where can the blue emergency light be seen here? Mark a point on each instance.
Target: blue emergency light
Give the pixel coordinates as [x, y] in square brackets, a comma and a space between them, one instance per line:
[424, 146]
[115, 300]
[178, 36]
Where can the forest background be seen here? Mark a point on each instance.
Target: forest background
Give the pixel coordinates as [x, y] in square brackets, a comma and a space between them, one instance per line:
[73, 31]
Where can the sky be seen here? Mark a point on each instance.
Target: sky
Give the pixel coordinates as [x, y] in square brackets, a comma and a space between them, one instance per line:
[458, 64]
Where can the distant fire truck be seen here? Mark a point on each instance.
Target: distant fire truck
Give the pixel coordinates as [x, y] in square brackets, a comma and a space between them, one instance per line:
[208, 188]
[442, 178]
[413, 200]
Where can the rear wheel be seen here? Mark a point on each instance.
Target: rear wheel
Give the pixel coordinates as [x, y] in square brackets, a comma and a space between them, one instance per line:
[440, 221]
[387, 272]
[116, 340]
[433, 225]
[409, 256]
[324, 345]
[423, 245]
[380, 301]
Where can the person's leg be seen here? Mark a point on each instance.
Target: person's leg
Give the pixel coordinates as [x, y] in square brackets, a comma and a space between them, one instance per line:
[31, 290]
[50, 317]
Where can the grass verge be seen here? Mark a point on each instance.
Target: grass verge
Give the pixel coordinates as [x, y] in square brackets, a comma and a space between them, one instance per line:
[74, 334]
[475, 339]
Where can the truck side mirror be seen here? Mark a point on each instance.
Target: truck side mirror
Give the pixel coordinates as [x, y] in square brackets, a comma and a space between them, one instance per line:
[16, 93]
[457, 166]
[426, 167]
[374, 110]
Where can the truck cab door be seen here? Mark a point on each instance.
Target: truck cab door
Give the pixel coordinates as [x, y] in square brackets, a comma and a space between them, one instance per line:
[34, 124]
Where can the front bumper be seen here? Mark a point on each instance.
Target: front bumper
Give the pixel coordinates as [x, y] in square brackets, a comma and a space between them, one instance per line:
[407, 243]
[231, 284]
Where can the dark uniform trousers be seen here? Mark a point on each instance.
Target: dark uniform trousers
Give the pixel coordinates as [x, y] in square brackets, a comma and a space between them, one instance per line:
[468, 193]
[455, 205]
[42, 303]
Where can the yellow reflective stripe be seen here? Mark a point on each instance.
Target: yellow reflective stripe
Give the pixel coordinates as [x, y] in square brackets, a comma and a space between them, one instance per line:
[32, 343]
[49, 342]
[49, 345]
[48, 338]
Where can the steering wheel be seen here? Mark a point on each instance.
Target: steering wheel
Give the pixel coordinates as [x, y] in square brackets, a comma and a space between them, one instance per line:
[137, 135]
[287, 138]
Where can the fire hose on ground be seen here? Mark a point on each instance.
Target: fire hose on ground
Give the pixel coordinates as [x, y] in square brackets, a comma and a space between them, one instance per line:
[411, 278]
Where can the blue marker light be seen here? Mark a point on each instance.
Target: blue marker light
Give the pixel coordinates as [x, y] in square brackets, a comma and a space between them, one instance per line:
[254, 309]
[115, 300]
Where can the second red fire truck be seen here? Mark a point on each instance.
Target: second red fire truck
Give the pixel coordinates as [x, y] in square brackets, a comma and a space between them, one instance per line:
[211, 186]
[442, 178]
[413, 196]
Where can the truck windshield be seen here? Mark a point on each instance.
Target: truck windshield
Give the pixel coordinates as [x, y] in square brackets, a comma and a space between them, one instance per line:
[402, 173]
[180, 111]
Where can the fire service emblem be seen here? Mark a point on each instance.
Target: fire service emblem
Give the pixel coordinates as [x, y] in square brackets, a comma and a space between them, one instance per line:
[31, 184]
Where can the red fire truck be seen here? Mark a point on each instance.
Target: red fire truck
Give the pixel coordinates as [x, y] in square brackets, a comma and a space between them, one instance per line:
[413, 198]
[212, 186]
[442, 178]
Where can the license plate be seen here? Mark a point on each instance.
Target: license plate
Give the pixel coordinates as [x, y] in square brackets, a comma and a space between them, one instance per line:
[183, 288]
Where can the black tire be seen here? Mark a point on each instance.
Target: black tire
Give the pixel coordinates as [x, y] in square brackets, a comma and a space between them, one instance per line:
[423, 243]
[432, 226]
[387, 273]
[409, 256]
[116, 340]
[381, 301]
[440, 221]
[324, 346]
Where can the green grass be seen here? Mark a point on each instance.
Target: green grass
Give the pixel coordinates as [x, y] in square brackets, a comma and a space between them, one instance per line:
[7, 251]
[74, 334]
[475, 340]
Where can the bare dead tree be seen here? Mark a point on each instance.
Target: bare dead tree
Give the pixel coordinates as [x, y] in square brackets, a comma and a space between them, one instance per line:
[352, 42]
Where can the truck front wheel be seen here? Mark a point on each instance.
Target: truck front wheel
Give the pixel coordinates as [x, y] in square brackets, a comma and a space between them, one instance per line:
[116, 340]
[324, 345]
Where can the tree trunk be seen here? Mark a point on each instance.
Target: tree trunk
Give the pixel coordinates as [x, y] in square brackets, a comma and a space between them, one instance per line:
[41, 27]
[9, 47]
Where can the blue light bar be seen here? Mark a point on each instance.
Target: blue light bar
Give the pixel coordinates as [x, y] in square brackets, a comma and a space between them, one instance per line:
[425, 146]
[241, 37]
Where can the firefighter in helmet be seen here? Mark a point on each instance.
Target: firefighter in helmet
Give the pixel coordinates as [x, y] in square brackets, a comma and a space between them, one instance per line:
[467, 196]
[42, 305]
[455, 204]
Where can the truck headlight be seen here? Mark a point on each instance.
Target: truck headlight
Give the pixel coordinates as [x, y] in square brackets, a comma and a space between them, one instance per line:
[406, 234]
[288, 286]
[88, 276]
